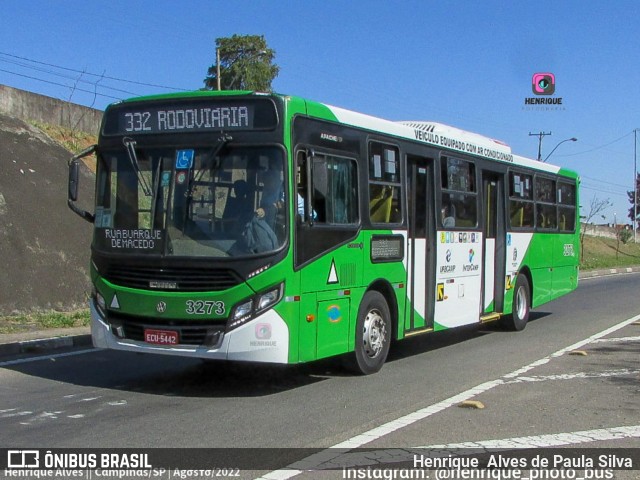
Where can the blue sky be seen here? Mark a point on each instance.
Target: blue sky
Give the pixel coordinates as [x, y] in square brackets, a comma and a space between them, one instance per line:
[463, 63]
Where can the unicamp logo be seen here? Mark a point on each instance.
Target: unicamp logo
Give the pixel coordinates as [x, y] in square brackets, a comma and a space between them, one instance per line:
[543, 84]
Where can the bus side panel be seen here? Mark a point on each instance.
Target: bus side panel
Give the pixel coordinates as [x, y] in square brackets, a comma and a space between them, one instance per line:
[516, 252]
[308, 327]
[389, 276]
[541, 278]
[552, 260]
[539, 258]
[566, 251]
[329, 295]
[289, 310]
[458, 278]
[333, 325]
[416, 285]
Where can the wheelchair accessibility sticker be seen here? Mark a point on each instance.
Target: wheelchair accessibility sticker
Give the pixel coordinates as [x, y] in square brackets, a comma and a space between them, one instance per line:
[184, 159]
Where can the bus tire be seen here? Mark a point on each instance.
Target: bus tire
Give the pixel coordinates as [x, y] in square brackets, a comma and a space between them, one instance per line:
[373, 335]
[521, 305]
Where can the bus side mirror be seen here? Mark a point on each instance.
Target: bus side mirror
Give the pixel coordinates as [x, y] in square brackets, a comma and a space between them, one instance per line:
[74, 178]
[74, 173]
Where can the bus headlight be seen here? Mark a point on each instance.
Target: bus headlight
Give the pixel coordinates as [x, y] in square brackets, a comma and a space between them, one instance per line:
[243, 310]
[241, 314]
[248, 309]
[270, 298]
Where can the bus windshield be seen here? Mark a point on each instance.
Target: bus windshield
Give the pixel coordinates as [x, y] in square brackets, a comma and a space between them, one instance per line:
[208, 202]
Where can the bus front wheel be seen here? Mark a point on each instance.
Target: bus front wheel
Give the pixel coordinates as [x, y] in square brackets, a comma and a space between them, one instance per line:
[373, 335]
[521, 305]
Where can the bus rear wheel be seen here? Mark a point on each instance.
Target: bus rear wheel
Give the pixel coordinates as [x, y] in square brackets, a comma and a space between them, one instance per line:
[521, 305]
[373, 335]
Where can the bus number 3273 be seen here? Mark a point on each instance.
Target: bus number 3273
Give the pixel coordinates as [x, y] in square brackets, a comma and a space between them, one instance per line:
[204, 307]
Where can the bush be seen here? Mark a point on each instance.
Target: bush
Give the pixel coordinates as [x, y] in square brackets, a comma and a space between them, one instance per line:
[625, 235]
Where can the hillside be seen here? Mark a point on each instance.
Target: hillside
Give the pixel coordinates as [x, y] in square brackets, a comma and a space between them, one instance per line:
[44, 247]
[601, 252]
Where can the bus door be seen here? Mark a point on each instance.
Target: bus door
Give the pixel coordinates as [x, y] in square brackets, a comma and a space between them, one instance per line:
[420, 245]
[494, 244]
[326, 220]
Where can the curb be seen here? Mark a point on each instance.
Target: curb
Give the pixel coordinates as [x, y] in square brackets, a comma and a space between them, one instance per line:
[607, 271]
[44, 345]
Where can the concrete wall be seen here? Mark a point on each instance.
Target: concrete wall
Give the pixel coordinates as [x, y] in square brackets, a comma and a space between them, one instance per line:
[32, 106]
[602, 230]
[598, 230]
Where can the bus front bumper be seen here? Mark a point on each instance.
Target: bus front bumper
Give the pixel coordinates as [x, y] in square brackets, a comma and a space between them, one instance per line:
[264, 339]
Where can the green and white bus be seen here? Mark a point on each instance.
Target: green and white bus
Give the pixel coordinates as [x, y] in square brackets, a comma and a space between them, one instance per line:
[268, 228]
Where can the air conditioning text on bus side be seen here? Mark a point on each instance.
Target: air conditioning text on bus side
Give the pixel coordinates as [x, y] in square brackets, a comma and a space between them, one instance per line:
[429, 137]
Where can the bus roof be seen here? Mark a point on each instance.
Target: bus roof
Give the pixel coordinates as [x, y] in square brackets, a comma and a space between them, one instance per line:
[432, 133]
[443, 136]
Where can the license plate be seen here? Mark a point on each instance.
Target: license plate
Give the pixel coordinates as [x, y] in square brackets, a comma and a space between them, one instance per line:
[161, 337]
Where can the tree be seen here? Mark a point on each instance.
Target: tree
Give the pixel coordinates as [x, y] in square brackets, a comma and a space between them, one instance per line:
[71, 138]
[637, 202]
[624, 234]
[245, 64]
[596, 207]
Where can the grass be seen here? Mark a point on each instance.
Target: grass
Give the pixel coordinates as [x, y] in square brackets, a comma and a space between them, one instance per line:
[602, 252]
[73, 140]
[28, 322]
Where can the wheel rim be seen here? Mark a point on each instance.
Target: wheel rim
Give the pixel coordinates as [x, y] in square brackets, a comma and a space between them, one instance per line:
[375, 334]
[521, 303]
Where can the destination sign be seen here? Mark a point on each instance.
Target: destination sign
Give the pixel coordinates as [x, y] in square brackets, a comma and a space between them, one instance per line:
[194, 116]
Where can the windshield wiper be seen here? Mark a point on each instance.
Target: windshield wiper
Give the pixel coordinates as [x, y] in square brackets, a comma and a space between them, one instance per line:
[222, 141]
[211, 157]
[130, 145]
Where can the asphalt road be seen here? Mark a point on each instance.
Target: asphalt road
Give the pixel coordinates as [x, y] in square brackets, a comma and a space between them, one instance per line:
[565, 373]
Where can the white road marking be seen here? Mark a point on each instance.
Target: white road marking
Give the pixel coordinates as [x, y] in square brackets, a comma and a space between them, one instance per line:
[623, 372]
[333, 452]
[619, 339]
[32, 418]
[575, 346]
[42, 416]
[552, 440]
[15, 414]
[403, 455]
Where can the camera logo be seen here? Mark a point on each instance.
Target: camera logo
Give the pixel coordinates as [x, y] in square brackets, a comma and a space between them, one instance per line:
[23, 459]
[543, 83]
[263, 331]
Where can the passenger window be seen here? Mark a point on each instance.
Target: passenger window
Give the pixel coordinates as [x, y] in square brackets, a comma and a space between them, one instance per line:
[545, 190]
[566, 207]
[385, 200]
[521, 206]
[334, 197]
[459, 200]
[546, 211]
